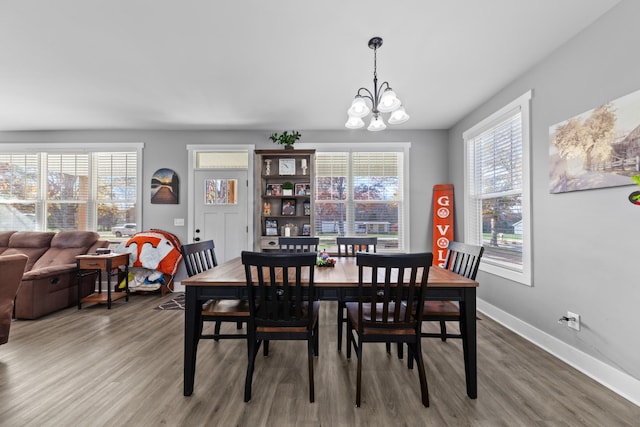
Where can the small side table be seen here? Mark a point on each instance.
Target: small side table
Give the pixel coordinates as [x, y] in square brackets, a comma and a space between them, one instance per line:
[88, 264]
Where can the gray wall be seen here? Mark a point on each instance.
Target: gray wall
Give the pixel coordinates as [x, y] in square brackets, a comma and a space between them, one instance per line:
[167, 149]
[586, 244]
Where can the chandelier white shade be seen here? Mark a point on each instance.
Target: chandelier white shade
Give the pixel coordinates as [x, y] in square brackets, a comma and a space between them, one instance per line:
[359, 108]
[399, 116]
[388, 102]
[376, 124]
[383, 100]
[354, 122]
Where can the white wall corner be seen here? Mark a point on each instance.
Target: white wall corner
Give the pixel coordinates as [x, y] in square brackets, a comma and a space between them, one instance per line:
[179, 287]
[617, 381]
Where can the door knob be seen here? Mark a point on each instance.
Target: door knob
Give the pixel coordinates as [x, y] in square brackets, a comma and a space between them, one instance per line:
[197, 230]
[197, 239]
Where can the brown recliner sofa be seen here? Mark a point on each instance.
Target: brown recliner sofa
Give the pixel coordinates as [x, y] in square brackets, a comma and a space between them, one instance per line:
[11, 268]
[50, 281]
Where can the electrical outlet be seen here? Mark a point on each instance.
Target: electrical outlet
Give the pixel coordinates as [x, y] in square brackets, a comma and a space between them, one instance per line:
[574, 321]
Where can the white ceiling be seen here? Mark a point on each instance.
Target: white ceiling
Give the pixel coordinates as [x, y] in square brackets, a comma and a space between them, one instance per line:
[268, 65]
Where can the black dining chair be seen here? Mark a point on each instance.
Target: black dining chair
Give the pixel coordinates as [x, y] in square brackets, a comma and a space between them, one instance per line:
[199, 257]
[350, 247]
[282, 305]
[298, 244]
[387, 286]
[463, 259]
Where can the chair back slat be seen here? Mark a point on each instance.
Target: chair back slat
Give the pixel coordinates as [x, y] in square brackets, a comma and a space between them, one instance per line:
[199, 257]
[464, 259]
[394, 282]
[279, 287]
[350, 246]
[298, 244]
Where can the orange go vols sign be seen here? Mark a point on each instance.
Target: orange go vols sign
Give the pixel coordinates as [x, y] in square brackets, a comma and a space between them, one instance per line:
[442, 221]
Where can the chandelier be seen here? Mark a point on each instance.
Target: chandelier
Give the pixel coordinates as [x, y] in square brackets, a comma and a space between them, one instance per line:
[383, 100]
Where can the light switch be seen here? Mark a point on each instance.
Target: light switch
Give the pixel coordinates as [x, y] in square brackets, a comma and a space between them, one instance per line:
[178, 222]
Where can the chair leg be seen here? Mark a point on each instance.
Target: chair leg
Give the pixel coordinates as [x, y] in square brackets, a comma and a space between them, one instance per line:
[349, 338]
[252, 351]
[400, 351]
[443, 330]
[316, 339]
[410, 356]
[424, 389]
[310, 357]
[341, 309]
[217, 331]
[359, 376]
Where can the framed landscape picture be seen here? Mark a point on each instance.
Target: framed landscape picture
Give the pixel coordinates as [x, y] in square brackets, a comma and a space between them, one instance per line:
[165, 187]
[596, 149]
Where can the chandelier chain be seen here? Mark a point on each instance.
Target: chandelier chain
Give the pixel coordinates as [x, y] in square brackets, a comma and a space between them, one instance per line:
[375, 63]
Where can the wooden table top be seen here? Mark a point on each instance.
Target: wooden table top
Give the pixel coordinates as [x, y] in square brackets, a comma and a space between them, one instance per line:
[344, 274]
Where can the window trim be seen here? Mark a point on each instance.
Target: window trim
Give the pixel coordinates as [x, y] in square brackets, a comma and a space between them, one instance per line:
[522, 104]
[85, 147]
[378, 147]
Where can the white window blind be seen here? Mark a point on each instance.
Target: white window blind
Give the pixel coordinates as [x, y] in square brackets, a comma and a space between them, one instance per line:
[116, 178]
[68, 190]
[496, 191]
[360, 194]
[19, 190]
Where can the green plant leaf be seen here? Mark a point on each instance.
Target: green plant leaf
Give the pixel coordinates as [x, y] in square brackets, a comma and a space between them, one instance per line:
[285, 138]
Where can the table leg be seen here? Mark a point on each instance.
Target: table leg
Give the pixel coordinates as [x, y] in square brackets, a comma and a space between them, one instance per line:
[109, 273]
[469, 342]
[126, 283]
[79, 283]
[192, 318]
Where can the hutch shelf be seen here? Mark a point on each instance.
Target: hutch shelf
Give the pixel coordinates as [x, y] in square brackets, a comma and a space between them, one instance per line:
[285, 181]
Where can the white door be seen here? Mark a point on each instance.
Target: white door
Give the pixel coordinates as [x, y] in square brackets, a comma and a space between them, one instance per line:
[220, 211]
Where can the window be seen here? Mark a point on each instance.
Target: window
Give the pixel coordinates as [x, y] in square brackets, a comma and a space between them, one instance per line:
[361, 193]
[497, 191]
[67, 189]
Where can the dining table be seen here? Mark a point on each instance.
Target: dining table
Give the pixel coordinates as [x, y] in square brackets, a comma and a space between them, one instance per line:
[337, 283]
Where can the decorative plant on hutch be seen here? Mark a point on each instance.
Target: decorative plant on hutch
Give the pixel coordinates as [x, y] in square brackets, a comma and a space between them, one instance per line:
[287, 188]
[287, 139]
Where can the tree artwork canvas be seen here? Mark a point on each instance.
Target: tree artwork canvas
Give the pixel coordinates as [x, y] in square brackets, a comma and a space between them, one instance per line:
[596, 149]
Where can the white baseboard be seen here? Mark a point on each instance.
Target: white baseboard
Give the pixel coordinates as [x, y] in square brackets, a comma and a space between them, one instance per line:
[615, 380]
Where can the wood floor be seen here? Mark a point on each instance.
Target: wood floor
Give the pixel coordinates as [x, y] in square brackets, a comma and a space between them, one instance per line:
[123, 367]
